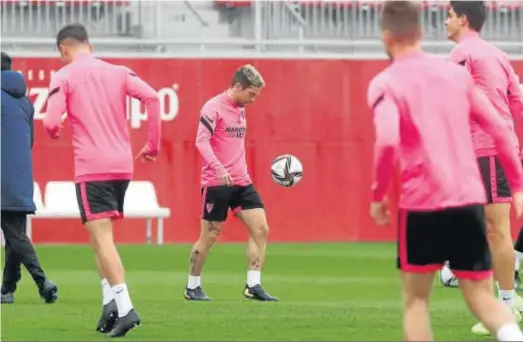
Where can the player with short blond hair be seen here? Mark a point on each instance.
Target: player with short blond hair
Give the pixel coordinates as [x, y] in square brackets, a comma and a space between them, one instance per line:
[226, 184]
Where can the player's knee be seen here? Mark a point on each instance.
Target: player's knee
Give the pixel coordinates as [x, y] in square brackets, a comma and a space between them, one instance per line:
[209, 232]
[475, 290]
[260, 231]
[211, 238]
[498, 232]
[416, 300]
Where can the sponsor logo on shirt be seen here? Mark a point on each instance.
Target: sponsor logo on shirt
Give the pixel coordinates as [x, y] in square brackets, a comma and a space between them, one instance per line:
[235, 132]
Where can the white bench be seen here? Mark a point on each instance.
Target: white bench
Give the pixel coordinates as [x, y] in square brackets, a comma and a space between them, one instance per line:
[140, 202]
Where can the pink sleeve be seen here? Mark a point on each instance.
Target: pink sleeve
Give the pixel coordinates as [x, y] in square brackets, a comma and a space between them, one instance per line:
[486, 116]
[56, 105]
[206, 129]
[514, 93]
[459, 56]
[138, 88]
[386, 124]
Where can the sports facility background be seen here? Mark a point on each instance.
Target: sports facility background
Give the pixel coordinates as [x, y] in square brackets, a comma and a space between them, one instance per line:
[317, 58]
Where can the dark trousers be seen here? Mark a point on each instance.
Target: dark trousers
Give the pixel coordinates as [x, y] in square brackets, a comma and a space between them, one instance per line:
[18, 250]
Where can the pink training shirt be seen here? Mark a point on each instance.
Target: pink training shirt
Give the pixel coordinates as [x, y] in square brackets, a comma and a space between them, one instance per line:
[492, 72]
[94, 94]
[221, 141]
[422, 108]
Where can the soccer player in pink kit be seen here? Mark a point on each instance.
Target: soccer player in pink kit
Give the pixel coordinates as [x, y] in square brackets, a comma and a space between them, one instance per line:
[94, 94]
[441, 214]
[226, 184]
[493, 74]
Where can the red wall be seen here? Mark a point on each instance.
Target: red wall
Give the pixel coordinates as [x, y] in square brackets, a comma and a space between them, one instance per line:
[315, 109]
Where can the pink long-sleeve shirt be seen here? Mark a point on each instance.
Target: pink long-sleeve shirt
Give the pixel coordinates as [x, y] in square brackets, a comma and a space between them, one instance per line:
[221, 141]
[492, 73]
[423, 107]
[94, 94]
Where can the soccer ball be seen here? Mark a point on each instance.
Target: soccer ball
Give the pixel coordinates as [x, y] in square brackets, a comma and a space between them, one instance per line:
[447, 278]
[287, 170]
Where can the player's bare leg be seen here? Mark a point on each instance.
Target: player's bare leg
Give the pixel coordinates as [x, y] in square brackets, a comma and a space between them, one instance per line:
[109, 309]
[256, 222]
[416, 295]
[501, 247]
[496, 317]
[110, 264]
[209, 232]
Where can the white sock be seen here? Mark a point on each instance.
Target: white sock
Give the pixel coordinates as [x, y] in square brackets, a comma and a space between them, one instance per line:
[107, 293]
[253, 278]
[519, 255]
[123, 299]
[507, 296]
[510, 332]
[517, 265]
[194, 282]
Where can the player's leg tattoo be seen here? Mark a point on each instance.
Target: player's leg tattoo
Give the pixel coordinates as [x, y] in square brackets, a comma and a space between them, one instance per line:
[213, 227]
[256, 222]
[256, 264]
[209, 232]
[195, 254]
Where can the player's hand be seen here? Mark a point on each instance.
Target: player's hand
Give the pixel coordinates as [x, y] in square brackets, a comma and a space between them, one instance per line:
[379, 211]
[517, 201]
[146, 155]
[226, 179]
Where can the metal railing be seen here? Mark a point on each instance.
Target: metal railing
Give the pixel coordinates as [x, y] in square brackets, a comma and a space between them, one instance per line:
[178, 27]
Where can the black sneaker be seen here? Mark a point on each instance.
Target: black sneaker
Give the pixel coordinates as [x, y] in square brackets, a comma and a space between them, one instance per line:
[195, 294]
[124, 324]
[258, 293]
[49, 292]
[8, 298]
[108, 318]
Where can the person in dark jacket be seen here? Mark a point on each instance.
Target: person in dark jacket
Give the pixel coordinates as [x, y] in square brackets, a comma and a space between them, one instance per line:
[17, 186]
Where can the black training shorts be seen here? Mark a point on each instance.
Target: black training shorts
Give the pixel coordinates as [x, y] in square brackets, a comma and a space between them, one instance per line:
[427, 239]
[101, 199]
[494, 180]
[217, 200]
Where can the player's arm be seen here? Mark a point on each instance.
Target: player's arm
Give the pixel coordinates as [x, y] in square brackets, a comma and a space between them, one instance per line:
[386, 125]
[459, 56]
[56, 105]
[514, 93]
[486, 116]
[206, 127]
[139, 89]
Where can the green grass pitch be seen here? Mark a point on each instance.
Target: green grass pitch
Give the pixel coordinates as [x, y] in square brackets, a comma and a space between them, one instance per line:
[327, 292]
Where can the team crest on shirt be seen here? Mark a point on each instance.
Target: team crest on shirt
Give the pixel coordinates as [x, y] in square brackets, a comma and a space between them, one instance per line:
[208, 207]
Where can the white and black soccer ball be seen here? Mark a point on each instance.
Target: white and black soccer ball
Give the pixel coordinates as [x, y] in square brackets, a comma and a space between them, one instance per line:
[447, 278]
[287, 170]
